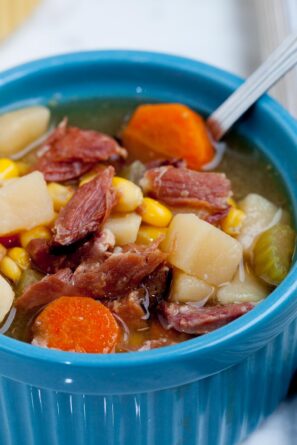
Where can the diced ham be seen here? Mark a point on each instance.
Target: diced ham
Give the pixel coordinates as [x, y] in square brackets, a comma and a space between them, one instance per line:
[96, 248]
[42, 258]
[69, 144]
[201, 320]
[216, 218]
[48, 260]
[69, 152]
[130, 309]
[87, 210]
[47, 290]
[102, 274]
[120, 272]
[61, 171]
[134, 309]
[156, 285]
[184, 187]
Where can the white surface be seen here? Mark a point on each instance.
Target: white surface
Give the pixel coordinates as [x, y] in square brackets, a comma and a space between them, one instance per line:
[221, 32]
[196, 28]
[276, 20]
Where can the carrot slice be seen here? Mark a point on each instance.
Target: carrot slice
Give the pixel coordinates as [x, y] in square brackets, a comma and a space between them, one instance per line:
[78, 324]
[170, 129]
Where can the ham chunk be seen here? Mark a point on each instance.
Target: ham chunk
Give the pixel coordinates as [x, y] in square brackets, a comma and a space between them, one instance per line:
[47, 290]
[184, 187]
[69, 152]
[45, 259]
[87, 210]
[120, 272]
[61, 171]
[101, 274]
[130, 310]
[42, 257]
[201, 320]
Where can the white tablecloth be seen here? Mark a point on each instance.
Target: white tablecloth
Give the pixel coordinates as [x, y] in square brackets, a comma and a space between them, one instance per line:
[216, 31]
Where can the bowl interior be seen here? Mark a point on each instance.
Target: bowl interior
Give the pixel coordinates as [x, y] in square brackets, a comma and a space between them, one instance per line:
[146, 77]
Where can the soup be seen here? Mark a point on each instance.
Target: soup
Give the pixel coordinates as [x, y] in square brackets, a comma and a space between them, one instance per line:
[125, 231]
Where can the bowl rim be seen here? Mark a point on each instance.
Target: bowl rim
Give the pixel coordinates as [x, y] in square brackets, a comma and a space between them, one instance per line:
[251, 323]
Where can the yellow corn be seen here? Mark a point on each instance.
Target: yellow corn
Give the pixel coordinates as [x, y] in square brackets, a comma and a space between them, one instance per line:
[232, 223]
[20, 256]
[60, 195]
[10, 269]
[8, 169]
[155, 213]
[231, 202]
[147, 234]
[37, 232]
[88, 177]
[55, 217]
[130, 195]
[23, 167]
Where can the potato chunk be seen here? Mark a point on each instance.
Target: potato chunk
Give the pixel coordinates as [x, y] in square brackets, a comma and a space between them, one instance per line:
[186, 288]
[6, 298]
[124, 227]
[21, 127]
[202, 250]
[260, 214]
[243, 289]
[24, 204]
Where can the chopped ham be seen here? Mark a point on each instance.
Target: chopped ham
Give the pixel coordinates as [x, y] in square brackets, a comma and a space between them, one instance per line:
[102, 274]
[42, 257]
[47, 260]
[201, 320]
[134, 309]
[184, 187]
[96, 248]
[130, 309]
[156, 285]
[47, 290]
[120, 272]
[70, 152]
[61, 171]
[87, 210]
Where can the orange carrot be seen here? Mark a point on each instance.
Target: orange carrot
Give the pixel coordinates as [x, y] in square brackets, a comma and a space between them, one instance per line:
[169, 129]
[78, 324]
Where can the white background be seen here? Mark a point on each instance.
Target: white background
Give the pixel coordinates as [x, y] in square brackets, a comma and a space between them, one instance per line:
[221, 32]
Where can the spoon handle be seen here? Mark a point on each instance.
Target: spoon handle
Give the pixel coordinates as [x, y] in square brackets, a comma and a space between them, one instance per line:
[274, 68]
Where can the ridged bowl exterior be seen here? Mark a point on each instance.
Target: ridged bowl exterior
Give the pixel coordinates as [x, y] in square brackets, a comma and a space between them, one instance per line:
[218, 410]
[212, 390]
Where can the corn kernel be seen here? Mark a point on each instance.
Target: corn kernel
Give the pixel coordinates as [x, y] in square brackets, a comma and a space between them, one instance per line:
[8, 169]
[35, 233]
[155, 213]
[20, 256]
[232, 223]
[147, 234]
[130, 195]
[88, 177]
[23, 167]
[10, 269]
[60, 195]
[52, 222]
[231, 202]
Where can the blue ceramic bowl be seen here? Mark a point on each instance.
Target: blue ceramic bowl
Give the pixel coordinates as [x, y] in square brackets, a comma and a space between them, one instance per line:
[211, 390]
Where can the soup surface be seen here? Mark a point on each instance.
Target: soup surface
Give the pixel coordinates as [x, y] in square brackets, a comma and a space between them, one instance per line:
[135, 240]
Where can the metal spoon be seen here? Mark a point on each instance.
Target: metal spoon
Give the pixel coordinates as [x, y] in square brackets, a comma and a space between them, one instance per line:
[273, 69]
